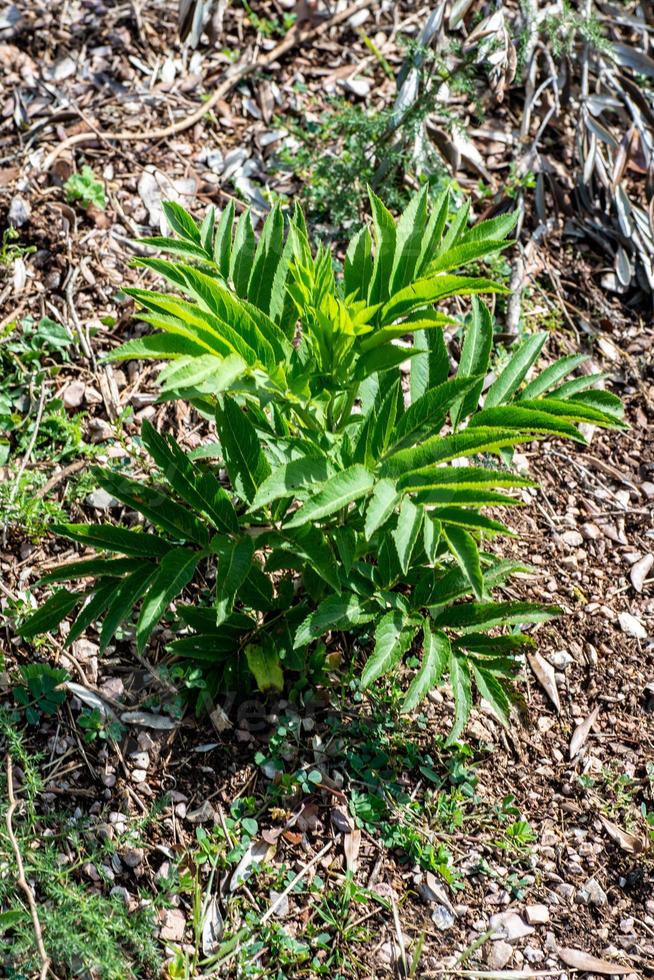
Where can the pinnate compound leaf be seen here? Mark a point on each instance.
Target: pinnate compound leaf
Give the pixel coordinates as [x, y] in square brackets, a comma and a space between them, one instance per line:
[344, 488]
[155, 504]
[197, 487]
[435, 658]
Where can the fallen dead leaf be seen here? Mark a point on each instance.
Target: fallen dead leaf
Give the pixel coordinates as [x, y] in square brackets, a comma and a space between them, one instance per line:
[257, 852]
[582, 732]
[212, 927]
[351, 847]
[629, 842]
[546, 677]
[640, 571]
[578, 960]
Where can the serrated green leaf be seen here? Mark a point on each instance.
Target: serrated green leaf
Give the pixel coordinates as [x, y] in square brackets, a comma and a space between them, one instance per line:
[91, 568]
[475, 358]
[197, 487]
[246, 464]
[490, 687]
[462, 691]
[381, 505]
[123, 600]
[290, 479]
[464, 548]
[357, 273]
[526, 419]
[92, 611]
[510, 379]
[406, 533]
[442, 449]
[181, 221]
[435, 658]
[551, 376]
[234, 565]
[265, 665]
[338, 611]
[393, 637]
[340, 491]
[109, 537]
[484, 615]
[222, 246]
[385, 240]
[463, 478]
[158, 506]
[48, 616]
[175, 571]
[427, 414]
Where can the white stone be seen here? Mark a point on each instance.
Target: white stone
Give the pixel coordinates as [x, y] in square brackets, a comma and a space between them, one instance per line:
[592, 893]
[508, 925]
[537, 915]
[499, 955]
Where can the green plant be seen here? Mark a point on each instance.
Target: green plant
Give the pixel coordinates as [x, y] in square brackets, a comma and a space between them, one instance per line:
[39, 691]
[10, 250]
[344, 508]
[82, 928]
[86, 189]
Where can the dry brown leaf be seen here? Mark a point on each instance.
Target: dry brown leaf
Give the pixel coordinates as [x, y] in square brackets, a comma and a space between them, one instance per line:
[640, 571]
[578, 960]
[257, 852]
[546, 677]
[629, 842]
[351, 847]
[582, 732]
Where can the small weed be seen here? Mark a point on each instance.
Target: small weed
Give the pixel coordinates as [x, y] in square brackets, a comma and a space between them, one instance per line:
[38, 692]
[85, 189]
[269, 26]
[10, 250]
[83, 930]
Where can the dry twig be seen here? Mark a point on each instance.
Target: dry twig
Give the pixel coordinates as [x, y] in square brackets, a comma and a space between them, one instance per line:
[22, 880]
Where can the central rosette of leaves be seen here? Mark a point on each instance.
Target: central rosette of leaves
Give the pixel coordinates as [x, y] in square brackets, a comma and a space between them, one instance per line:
[346, 496]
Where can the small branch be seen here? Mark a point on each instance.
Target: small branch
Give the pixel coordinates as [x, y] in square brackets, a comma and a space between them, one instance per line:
[22, 881]
[298, 877]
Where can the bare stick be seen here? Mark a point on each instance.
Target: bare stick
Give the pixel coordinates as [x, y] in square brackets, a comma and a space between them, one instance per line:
[226, 85]
[298, 877]
[22, 880]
